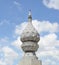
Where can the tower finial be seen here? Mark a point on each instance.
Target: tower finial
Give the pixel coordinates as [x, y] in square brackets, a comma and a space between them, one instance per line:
[29, 12]
[29, 16]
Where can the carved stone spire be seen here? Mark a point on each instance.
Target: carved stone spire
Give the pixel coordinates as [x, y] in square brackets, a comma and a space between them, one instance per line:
[30, 38]
[29, 16]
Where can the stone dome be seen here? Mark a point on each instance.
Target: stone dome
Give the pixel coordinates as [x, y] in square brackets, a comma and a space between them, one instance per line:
[30, 33]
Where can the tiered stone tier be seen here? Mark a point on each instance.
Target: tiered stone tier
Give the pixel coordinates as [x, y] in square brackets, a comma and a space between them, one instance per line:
[30, 37]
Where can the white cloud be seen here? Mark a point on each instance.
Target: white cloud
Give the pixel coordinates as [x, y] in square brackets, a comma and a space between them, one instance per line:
[45, 26]
[20, 28]
[17, 4]
[17, 43]
[49, 62]
[9, 56]
[41, 26]
[49, 40]
[51, 4]
[4, 41]
[2, 63]
[48, 48]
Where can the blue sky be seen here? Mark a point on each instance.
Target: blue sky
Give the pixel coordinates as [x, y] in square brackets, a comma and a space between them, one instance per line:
[13, 19]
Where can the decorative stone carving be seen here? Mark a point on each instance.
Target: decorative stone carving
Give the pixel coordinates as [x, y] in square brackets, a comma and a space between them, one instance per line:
[30, 33]
[30, 38]
[29, 46]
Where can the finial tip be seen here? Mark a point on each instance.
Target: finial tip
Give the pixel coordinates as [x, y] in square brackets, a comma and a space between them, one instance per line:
[29, 12]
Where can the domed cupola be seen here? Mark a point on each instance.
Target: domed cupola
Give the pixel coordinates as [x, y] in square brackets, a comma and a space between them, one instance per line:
[30, 36]
[30, 33]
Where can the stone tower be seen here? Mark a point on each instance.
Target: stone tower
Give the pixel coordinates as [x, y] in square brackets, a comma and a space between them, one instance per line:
[30, 38]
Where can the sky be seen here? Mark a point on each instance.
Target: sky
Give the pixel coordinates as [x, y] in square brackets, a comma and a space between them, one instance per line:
[14, 18]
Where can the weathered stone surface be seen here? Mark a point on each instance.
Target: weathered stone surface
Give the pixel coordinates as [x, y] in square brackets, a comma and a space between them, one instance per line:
[30, 33]
[30, 38]
[30, 60]
[29, 46]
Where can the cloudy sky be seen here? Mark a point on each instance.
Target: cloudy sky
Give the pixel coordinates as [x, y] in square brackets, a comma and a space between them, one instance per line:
[13, 19]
